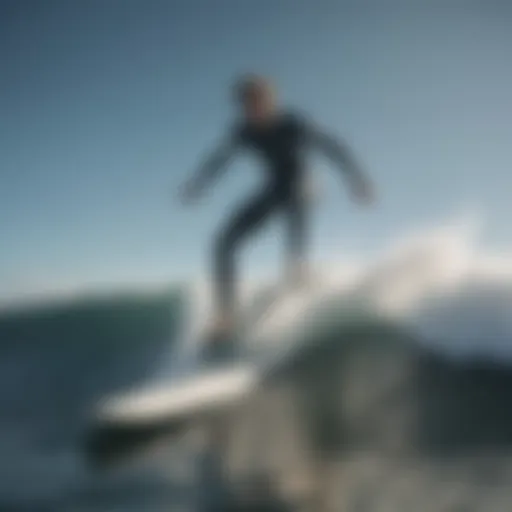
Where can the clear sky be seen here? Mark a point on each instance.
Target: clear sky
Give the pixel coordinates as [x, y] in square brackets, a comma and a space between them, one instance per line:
[105, 106]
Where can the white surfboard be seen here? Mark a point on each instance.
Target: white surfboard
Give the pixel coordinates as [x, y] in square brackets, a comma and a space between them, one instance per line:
[123, 420]
[184, 398]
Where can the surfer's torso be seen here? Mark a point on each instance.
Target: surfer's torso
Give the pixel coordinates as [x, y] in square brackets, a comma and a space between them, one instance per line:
[281, 145]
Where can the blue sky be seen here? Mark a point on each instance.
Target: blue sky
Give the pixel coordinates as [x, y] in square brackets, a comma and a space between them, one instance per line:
[107, 106]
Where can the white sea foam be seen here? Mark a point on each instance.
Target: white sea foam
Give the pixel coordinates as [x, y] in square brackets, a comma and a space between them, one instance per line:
[439, 282]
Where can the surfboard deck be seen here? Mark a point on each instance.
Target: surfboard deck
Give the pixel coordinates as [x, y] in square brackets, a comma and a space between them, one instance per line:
[126, 420]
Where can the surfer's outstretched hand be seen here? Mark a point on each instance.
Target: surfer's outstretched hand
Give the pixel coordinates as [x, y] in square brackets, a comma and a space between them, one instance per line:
[363, 192]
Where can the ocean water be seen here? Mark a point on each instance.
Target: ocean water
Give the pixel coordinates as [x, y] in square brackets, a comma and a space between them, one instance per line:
[56, 360]
[409, 410]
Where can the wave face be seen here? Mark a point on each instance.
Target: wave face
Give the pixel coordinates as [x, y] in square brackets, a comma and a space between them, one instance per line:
[403, 387]
[391, 421]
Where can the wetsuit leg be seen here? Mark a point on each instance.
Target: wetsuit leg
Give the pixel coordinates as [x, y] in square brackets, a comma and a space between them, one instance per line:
[297, 213]
[244, 222]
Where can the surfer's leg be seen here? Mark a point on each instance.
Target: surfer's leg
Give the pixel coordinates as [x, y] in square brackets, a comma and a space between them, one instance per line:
[297, 213]
[244, 222]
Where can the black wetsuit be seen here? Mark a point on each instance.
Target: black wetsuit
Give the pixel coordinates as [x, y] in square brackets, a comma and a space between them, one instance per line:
[282, 146]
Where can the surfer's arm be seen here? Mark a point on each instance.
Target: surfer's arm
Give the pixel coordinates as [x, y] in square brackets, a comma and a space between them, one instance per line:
[212, 167]
[339, 151]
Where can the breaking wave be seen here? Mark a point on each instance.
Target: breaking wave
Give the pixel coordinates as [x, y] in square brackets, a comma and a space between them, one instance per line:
[439, 285]
[418, 339]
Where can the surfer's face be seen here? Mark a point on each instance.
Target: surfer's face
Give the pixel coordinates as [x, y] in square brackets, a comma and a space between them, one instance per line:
[258, 104]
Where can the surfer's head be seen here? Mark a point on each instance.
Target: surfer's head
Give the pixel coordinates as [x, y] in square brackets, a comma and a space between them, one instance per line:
[255, 95]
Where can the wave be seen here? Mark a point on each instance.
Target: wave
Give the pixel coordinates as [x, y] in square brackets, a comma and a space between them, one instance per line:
[405, 374]
[128, 316]
[74, 347]
[438, 283]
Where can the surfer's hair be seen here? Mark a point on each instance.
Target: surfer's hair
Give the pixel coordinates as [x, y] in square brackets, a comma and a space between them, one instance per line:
[250, 86]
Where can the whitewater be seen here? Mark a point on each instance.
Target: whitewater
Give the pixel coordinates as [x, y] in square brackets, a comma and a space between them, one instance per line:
[439, 283]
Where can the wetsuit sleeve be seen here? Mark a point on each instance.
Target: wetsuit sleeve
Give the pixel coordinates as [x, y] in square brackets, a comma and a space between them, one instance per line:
[334, 148]
[216, 162]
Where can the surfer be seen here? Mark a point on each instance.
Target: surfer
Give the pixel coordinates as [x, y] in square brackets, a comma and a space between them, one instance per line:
[281, 139]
